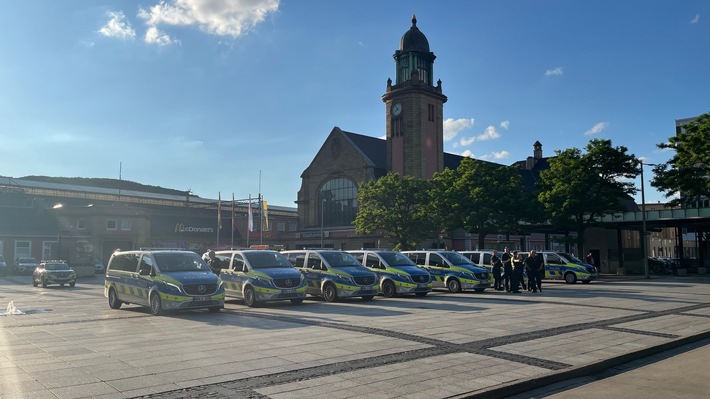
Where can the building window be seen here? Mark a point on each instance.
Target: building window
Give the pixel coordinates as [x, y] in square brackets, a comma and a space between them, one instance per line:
[111, 224]
[431, 113]
[281, 226]
[397, 128]
[50, 249]
[292, 227]
[337, 202]
[81, 224]
[23, 249]
[126, 224]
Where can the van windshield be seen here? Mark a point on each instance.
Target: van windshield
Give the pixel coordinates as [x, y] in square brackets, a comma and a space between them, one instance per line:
[180, 262]
[396, 259]
[340, 259]
[456, 258]
[266, 259]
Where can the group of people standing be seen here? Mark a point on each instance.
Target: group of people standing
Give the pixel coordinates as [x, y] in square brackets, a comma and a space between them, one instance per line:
[508, 271]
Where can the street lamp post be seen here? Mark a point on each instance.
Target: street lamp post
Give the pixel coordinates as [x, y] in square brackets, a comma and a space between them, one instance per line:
[322, 207]
[644, 238]
[644, 241]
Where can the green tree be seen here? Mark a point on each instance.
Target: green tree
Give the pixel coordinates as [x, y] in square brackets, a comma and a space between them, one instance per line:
[397, 204]
[688, 171]
[579, 187]
[479, 197]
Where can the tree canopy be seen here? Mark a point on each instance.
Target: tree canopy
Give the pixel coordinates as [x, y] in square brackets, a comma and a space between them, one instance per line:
[688, 171]
[397, 204]
[579, 187]
[479, 197]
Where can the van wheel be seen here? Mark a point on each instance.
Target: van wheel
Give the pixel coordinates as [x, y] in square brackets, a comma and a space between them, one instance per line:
[297, 301]
[453, 285]
[388, 289]
[420, 294]
[156, 307]
[113, 301]
[570, 278]
[330, 294]
[249, 296]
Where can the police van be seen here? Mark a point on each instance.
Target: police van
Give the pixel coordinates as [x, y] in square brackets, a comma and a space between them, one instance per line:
[451, 270]
[334, 274]
[260, 275]
[397, 273]
[480, 258]
[163, 280]
[562, 266]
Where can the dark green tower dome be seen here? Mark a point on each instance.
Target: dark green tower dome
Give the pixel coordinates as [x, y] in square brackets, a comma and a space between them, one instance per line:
[414, 39]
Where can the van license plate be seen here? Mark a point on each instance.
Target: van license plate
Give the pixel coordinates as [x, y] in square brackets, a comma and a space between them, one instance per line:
[201, 299]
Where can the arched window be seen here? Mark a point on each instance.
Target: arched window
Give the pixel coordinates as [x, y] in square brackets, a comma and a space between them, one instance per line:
[337, 202]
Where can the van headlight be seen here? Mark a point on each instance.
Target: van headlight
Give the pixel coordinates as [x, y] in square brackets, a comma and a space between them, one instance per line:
[172, 287]
[345, 279]
[263, 280]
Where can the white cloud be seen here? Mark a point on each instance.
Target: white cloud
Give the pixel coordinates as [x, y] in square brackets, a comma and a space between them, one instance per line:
[118, 27]
[452, 127]
[231, 18]
[696, 19]
[496, 155]
[596, 129]
[489, 134]
[464, 141]
[154, 36]
[505, 124]
[555, 72]
[468, 154]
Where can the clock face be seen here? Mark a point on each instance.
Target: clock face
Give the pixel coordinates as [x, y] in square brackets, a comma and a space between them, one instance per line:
[396, 109]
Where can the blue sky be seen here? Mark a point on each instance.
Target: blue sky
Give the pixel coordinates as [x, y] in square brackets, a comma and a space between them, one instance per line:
[238, 96]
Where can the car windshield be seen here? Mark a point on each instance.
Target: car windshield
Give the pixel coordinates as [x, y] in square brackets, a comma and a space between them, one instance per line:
[56, 266]
[396, 259]
[266, 259]
[570, 257]
[456, 258]
[180, 262]
[340, 259]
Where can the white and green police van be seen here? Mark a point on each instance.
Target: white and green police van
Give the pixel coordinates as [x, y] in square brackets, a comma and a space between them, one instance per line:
[163, 280]
[333, 274]
[450, 269]
[260, 275]
[398, 275]
[563, 266]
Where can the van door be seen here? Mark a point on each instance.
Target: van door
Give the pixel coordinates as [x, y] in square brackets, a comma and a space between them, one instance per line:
[438, 268]
[313, 271]
[143, 280]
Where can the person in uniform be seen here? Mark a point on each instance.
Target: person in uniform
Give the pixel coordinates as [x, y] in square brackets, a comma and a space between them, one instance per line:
[214, 262]
[518, 267]
[507, 260]
[532, 263]
[497, 269]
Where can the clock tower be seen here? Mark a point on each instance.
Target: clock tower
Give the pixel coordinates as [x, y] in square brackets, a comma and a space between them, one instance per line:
[415, 110]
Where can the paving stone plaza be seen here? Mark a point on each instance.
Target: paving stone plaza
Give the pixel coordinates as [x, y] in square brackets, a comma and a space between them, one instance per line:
[67, 343]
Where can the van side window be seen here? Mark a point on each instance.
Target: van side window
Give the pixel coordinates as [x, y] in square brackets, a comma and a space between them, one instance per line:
[436, 260]
[553, 259]
[125, 262]
[418, 258]
[238, 263]
[314, 262]
[372, 261]
[297, 259]
[486, 259]
[146, 264]
[475, 257]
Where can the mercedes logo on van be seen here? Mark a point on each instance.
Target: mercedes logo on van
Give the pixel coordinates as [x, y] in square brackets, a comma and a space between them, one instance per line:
[288, 282]
[201, 289]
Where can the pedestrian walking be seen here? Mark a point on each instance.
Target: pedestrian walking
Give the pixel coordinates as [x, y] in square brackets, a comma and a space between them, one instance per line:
[507, 259]
[497, 270]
